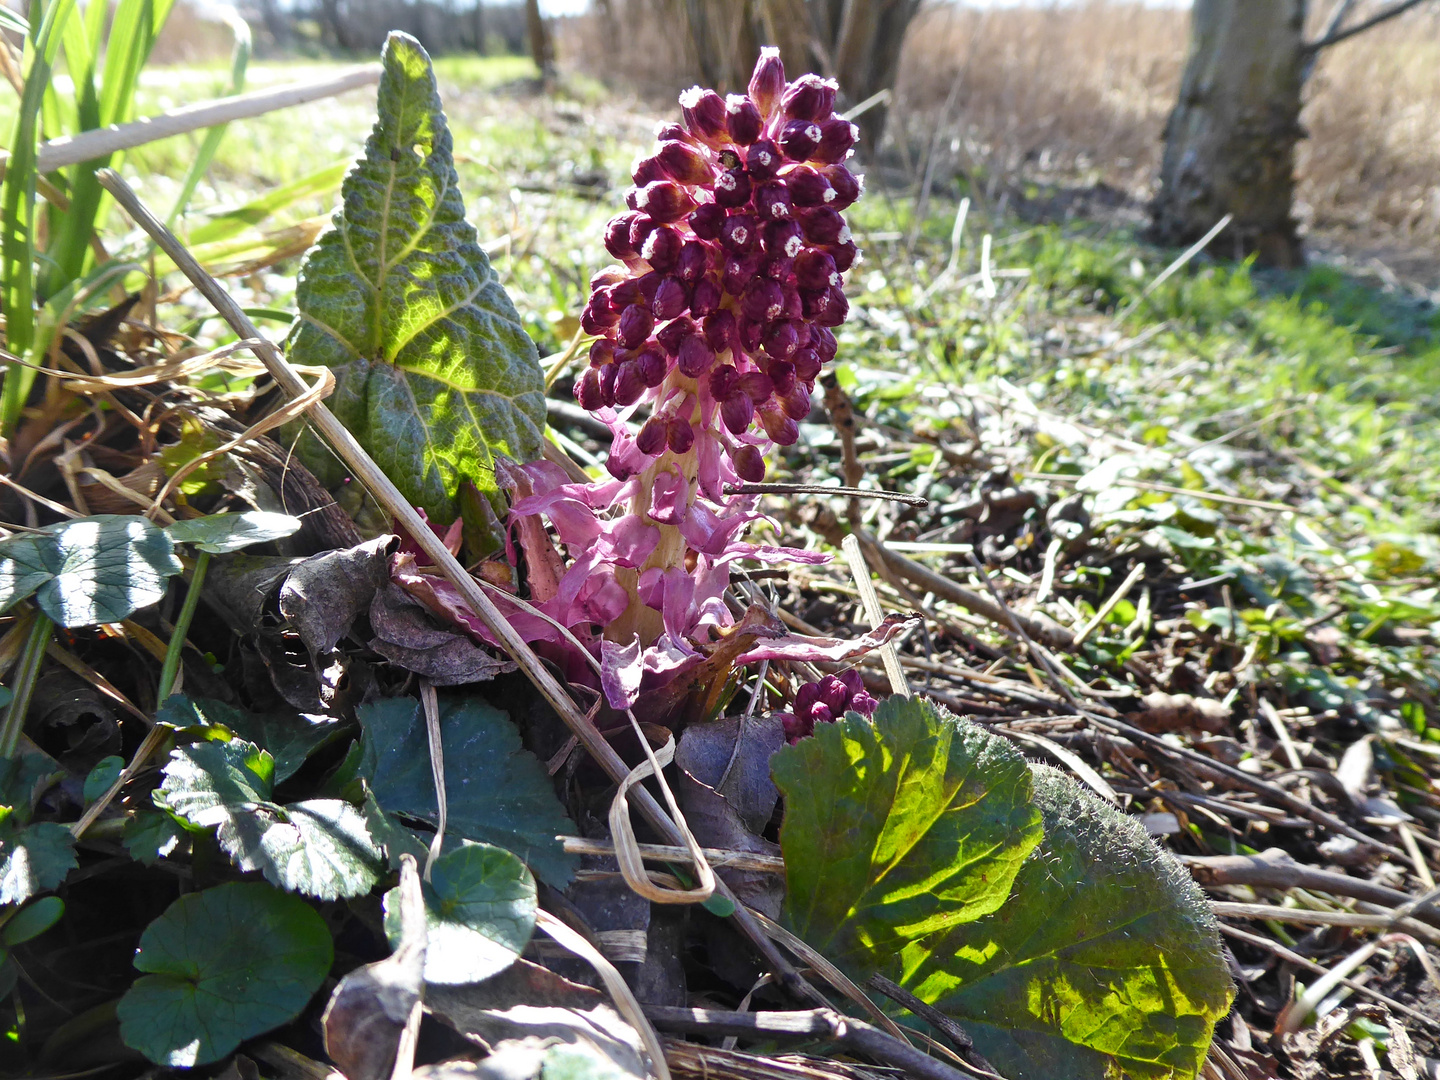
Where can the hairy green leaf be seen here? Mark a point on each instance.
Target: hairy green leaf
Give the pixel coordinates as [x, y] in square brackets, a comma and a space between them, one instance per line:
[220, 534]
[89, 570]
[34, 859]
[497, 792]
[434, 372]
[899, 828]
[224, 965]
[320, 847]
[1105, 961]
[479, 910]
[287, 736]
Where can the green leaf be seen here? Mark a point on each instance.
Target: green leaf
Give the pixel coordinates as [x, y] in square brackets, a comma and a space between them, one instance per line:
[106, 771]
[1105, 961]
[224, 965]
[320, 847]
[34, 859]
[89, 570]
[32, 921]
[479, 913]
[151, 835]
[497, 792]
[899, 828]
[288, 737]
[434, 372]
[220, 534]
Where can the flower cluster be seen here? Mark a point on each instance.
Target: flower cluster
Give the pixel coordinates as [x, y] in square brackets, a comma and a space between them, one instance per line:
[826, 701]
[732, 251]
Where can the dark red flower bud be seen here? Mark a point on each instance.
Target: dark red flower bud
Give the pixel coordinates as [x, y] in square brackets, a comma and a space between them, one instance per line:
[607, 383]
[625, 293]
[743, 119]
[793, 727]
[602, 352]
[652, 366]
[651, 439]
[806, 697]
[635, 326]
[617, 236]
[662, 248]
[664, 200]
[762, 161]
[808, 98]
[781, 340]
[692, 262]
[671, 299]
[732, 188]
[837, 137]
[767, 81]
[641, 226]
[782, 430]
[823, 225]
[668, 131]
[758, 385]
[791, 306]
[647, 170]
[772, 200]
[778, 268]
[796, 403]
[683, 162]
[846, 185]
[815, 269]
[597, 316]
[844, 255]
[722, 382]
[822, 340]
[629, 383]
[737, 411]
[808, 187]
[720, 330]
[749, 463]
[706, 221]
[798, 140]
[763, 300]
[608, 277]
[739, 272]
[807, 368]
[695, 356]
[673, 333]
[740, 234]
[704, 112]
[749, 332]
[587, 391]
[782, 375]
[781, 239]
[706, 297]
[632, 198]
[679, 435]
[836, 308]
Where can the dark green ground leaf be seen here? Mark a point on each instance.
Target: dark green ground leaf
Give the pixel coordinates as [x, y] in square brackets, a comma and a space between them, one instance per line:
[1106, 959]
[106, 771]
[89, 570]
[480, 912]
[33, 921]
[224, 965]
[220, 534]
[150, 835]
[899, 828]
[288, 737]
[34, 859]
[434, 372]
[498, 793]
[321, 847]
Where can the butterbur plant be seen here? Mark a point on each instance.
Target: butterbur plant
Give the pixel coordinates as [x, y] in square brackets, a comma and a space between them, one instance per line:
[715, 322]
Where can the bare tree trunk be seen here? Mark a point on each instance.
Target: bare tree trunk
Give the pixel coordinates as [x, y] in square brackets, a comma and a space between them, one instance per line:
[787, 25]
[477, 26]
[541, 49]
[867, 56]
[1230, 142]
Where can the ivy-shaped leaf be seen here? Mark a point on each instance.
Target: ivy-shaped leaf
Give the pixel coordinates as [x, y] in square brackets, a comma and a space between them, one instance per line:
[34, 859]
[223, 966]
[1105, 961]
[899, 828]
[89, 570]
[320, 847]
[220, 534]
[497, 792]
[479, 912]
[434, 372]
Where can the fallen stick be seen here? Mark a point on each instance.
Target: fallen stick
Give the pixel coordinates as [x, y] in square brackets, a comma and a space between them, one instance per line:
[364, 469]
[101, 142]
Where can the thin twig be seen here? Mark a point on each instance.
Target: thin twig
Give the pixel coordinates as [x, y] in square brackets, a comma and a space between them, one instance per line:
[860, 570]
[1379, 17]
[431, 705]
[827, 489]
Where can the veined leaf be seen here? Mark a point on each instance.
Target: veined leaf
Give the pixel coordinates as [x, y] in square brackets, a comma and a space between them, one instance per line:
[223, 966]
[1105, 961]
[434, 372]
[34, 859]
[899, 828]
[221, 534]
[320, 847]
[497, 792]
[287, 736]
